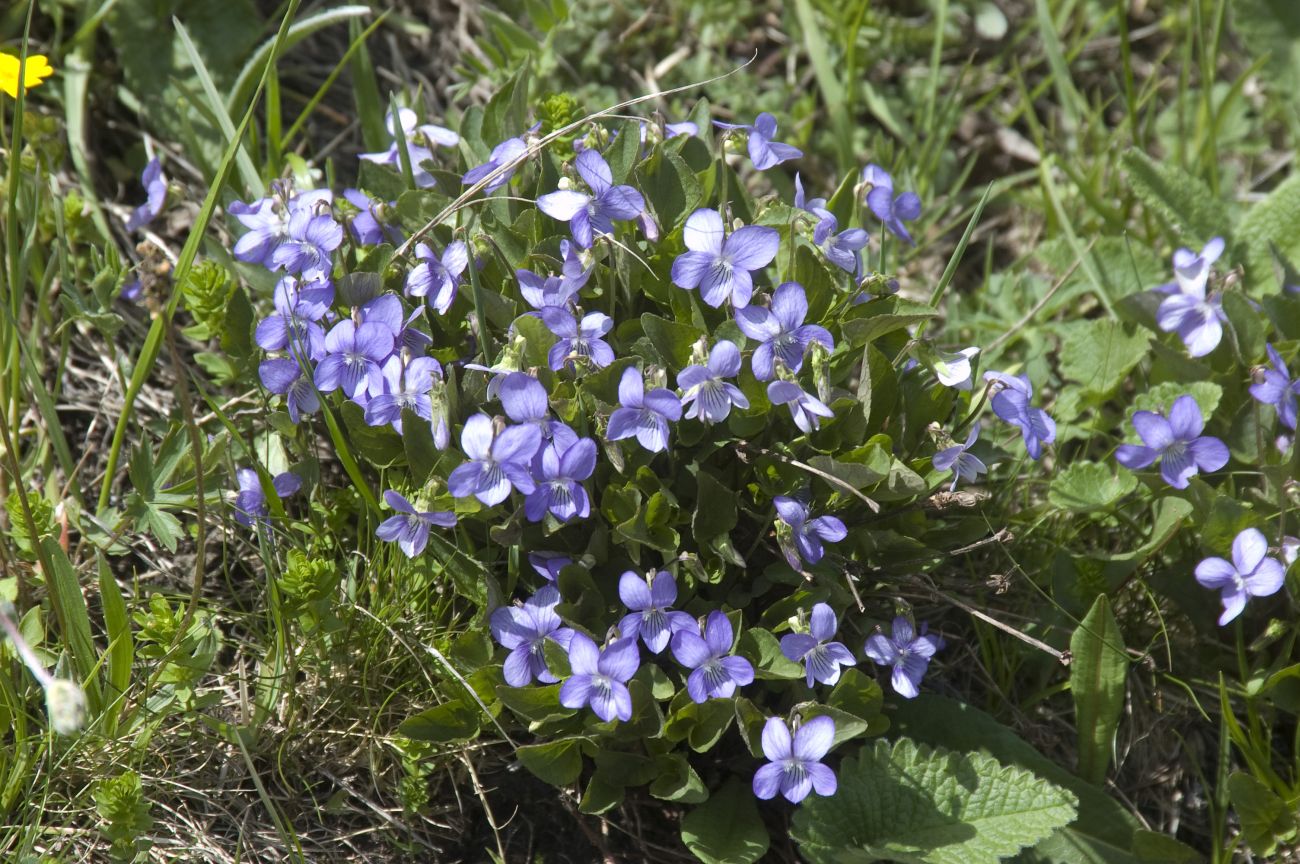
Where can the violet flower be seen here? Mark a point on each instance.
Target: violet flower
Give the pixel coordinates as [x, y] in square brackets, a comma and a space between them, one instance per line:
[651, 617]
[409, 528]
[523, 630]
[407, 385]
[497, 462]
[155, 188]
[716, 672]
[781, 332]
[954, 369]
[963, 464]
[353, 357]
[888, 209]
[559, 477]
[1011, 403]
[284, 377]
[843, 249]
[417, 154]
[1188, 311]
[600, 677]
[250, 500]
[686, 127]
[764, 152]
[1176, 442]
[822, 658]
[587, 214]
[812, 204]
[710, 397]
[1250, 573]
[293, 327]
[503, 154]
[367, 225]
[579, 340]
[908, 653]
[645, 415]
[437, 278]
[808, 533]
[549, 564]
[1192, 270]
[794, 764]
[1278, 388]
[540, 292]
[719, 264]
[308, 244]
[524, 400]
[805, 408]
[268, 221]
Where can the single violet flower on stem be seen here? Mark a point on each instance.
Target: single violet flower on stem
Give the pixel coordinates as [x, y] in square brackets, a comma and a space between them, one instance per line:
[963, 464]
[250, 500]
[294, 326]
[822, 658]
[155, 188]
[308, 244]
[1250, 573]
[559, 477]
[794, 763]
[1278, 388]
[1177, 442]
[808, 534]
[578, 340]
[353, 358]
[503, 154]
[843, 249]
[645, 415]
[1196, 317]
[888, 209]
[1011, 395]
[284, 377]
[497, 462]
[718, 264]
[651, 617]
[600, 677]
[716, 672]
[781, 332]
[587, 214]
[908, 653]
[764, 151]
[438, 277]
[523, 631]
[709, 396]
[409, 528]
[407, 385]
[805, 408]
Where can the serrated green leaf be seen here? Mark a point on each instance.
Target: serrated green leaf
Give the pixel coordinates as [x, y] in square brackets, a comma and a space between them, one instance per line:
[1272, 221]
[1085, 487]
[1097, 673]
[1180, 199]
[1100, 352]
[918, 805]
[726, 829]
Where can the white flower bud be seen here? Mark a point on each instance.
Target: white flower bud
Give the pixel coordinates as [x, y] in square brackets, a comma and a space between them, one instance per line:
[66, 704]
[565, 183]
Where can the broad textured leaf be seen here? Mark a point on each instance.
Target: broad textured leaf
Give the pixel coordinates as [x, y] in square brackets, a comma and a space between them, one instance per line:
[1100, 352]
[1180, 199]
[726, 829]
[885, 315]
[1274, 220]
[1265, 818]
[1097, 673]
[1084, 487]
[672, 339]
[918, 805]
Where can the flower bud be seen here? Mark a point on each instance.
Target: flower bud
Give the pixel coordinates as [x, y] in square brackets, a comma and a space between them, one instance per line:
[66, 704]
[565, 183]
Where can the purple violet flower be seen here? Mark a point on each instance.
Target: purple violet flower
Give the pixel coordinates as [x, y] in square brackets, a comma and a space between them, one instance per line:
[908, 654]
[417, 154]
[704, 390]
[406, 385]
[409, 528]
[503, 154]
[822, 658]
[964, 465]
[438, 278]
[540, 292]
[283, 377]
[805, 408]
[293, 327]
[794, 764]
[1188, 311]
[1250, 573]
[268, 221]
[645, 415]
[250, 500]
[888, 209]
[1011, 402]
[353, 358]
[1278, 388]
[155, 188]
[716, 672]
[719, 264]
[523, 630]
[1176, 442]
[497, 463]
[650, 617]
[1192, 270]
[308, 244]
[954, 369]
[843, 249]
[525, 401]
[367, 225]
[587, 214]
[781, 332]
[600, 677]
[808, 533]
[764, 152]
[578, 340]
[549, 564]
[559, 477]
[812, 204]
[686, 127]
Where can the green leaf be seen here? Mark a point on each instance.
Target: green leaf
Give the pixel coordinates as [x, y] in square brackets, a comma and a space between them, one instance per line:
[1097, 673]
[1271, 28]
[623, 154]
[715, 507]
[1084, 487]
[1153, 848]
[885, 315]
[1180, 199]
[1100, 352]
[671, 339]
[671, 187]
[726, 829]
[918, 805]
[1274, 221]
[1265, 818]
[557, 762]
[442, 724]
[677, 781]
[1160, 397]
[380, 444]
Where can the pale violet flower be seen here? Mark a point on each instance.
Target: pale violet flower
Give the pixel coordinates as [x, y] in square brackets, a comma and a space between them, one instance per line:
[720, 265]
[704, 389]
[794, 763]
[822, 658]
[1250, 573]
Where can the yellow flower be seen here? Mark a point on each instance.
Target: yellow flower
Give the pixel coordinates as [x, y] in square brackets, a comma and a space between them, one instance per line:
[37, 70]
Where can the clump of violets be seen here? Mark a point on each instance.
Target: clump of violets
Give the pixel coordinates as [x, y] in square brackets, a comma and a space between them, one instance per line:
[807, 534]
[715, 671]
[782, 336]
[1250, 573]
[1276, 387]
[643, 415]
[650, 615]
[822, 658]
[704, 388]
[1197, 317]
[600, 677]
[250, 501]
[155, 190]
[720, 265]
[794, 762]
[958, 459]
[892, 210]
[523, 631]
[906, 652]
[588, 214]
[764, 150]
[1011, 395]
[1176, 442]
[409, 528]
